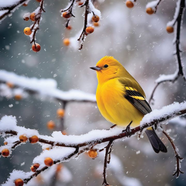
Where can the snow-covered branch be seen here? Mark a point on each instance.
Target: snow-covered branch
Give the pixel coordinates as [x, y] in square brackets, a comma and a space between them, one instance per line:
[63, 147]
[12, 84]
[8, 7]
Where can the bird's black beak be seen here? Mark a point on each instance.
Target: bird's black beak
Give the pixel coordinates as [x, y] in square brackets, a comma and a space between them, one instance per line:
[95, 68]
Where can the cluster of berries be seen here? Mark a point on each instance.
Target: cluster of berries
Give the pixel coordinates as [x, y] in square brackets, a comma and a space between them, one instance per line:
[28, 31]
[89, 29]
[150, 11]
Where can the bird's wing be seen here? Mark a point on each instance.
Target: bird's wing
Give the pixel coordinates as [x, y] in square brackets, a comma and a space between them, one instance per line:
[135, 95]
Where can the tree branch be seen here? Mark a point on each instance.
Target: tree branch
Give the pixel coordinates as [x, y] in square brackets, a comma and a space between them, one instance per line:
[178, 157]
[154, 120]
[107, 161]
[83, 33]
[179, 72]
[55, 162]
[34, 86]
[87, 141]
[11, 8]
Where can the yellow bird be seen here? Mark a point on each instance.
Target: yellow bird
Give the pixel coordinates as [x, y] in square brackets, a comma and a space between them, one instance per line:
[120, 98]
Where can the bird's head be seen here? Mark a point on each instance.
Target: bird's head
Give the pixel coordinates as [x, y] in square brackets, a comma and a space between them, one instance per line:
[108, 68]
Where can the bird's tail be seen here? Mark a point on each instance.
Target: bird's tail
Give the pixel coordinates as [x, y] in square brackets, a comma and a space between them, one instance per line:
[155, 141]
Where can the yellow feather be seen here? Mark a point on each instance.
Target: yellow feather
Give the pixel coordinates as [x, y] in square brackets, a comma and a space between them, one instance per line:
[114, 107]
[138, 97]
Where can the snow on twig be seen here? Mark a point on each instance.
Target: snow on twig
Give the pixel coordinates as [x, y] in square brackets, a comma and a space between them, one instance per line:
[176, 14]
[8, 7]
[153, 5]
[35, 26]
[99, 136]
[89, 12]
[42, 87]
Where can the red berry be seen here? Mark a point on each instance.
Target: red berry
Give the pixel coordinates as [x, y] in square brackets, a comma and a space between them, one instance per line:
[33, 139]
[89, 29]
[36, 47]
[48, 161]
[33, 16]
[149, 11]
[129, 4]
[18, 182]
[170, 29]
[23, 138]
[95, 18]
[5, 152]
[66, 15]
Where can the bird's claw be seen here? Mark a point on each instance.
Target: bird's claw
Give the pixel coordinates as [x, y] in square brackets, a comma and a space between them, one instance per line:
[128, 130]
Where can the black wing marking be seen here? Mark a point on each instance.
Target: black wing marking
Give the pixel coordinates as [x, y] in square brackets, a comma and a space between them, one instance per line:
[136, 99]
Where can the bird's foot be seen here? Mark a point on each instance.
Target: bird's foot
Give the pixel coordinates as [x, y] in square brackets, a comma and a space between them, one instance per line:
[128, 130]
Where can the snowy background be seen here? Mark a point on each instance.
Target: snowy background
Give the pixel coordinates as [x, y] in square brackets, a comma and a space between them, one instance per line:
[139, 41]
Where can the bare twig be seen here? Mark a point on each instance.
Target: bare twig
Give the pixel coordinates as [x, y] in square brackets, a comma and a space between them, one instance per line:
[69, 8]
[160, 82]
[107, 161]
[159, 1]
[69, 12]
[177, 42]
[16, 143]
[178, 157]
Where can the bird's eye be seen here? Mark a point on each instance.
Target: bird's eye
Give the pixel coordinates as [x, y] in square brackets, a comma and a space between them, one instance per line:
[105, 66]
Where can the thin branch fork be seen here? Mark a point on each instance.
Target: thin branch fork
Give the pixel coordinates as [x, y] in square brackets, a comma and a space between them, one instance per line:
[83, 33]
[69, 8]
[156, 7]
[37, 21]
[107, 161]
[159, 83]
[177, 156]
[69, 12]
